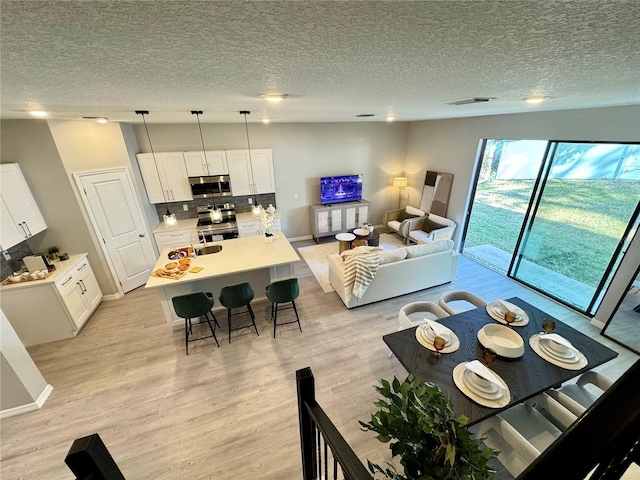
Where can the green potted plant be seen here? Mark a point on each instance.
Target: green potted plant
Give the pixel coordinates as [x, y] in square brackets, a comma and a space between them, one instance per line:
[433, 443]
[53, 252]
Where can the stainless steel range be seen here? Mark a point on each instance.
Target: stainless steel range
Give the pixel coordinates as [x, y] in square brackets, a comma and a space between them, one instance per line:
[213, 229]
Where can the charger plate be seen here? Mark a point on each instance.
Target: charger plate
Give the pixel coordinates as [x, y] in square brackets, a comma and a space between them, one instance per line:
[458, 379]
[496, 311]
[582, 361]
[428, 344]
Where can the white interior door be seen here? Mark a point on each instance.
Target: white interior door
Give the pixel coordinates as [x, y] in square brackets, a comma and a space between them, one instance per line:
[111, 200]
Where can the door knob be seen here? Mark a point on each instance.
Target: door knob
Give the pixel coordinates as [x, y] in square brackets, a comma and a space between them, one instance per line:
[141, 235]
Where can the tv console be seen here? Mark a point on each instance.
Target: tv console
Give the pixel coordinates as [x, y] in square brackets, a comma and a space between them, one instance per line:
[328, 220]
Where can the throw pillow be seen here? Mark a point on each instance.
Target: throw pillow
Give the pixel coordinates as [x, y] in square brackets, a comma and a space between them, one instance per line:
[429, 248]
[429, 226]
[389, 256]
[404, 215]
[414, 211]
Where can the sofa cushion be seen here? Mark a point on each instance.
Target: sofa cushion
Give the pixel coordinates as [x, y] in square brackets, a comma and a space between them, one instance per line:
[389, 256]
[403, 215]
[429, 226]
[428, 248]
[414, 211]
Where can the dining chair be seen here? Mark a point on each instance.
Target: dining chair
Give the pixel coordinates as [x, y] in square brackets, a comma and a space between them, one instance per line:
[195, 305]
[283, 291]
[459, 295]
[522, 432]
[577, 397]
[414, 308]
[237, 296]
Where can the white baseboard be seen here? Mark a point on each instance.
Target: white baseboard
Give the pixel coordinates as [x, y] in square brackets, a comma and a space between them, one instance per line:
[299, 239]
[30, 407]
[597, 323]
[110, 298]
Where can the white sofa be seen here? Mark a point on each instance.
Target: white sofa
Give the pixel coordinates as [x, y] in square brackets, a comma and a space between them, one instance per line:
[436, 265]
[445, 231]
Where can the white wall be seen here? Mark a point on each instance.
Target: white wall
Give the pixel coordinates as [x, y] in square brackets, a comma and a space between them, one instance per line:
[302, 154]
[22, 386]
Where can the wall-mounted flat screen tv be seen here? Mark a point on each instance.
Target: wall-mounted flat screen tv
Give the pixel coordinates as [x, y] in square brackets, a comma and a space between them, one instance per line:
[346, 188]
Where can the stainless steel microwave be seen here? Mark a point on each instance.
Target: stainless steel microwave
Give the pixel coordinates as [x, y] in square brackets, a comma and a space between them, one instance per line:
[210, 186]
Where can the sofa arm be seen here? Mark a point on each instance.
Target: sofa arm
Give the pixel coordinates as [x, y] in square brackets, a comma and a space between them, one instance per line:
[336, 277]
[411, 224]
[445, 233]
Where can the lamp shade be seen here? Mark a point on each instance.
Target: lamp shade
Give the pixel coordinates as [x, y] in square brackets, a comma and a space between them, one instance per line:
[400, 182]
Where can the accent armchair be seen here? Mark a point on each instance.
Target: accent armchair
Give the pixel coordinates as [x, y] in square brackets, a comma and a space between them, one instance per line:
[402, 220]
[431, 228]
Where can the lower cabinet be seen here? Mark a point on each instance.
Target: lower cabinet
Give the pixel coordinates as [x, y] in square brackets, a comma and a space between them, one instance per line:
[173, 239]
[54, 308]
[254, 227]
[332, 219]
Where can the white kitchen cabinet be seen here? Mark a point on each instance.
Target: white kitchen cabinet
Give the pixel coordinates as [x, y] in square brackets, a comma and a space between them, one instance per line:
[251, 174]
[166, 179]
[80, 292]
[215, 163]
[173, 239]
[250, 228]
[53, 308]
[21, 217]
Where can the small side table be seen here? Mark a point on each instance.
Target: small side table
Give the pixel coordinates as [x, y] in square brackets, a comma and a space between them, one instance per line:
[373, 239]
[345, 240]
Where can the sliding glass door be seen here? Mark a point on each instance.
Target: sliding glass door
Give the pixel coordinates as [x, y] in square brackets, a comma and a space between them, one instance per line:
[582, 208]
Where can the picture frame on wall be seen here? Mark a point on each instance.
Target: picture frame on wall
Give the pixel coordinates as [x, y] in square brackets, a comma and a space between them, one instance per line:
[436, 192]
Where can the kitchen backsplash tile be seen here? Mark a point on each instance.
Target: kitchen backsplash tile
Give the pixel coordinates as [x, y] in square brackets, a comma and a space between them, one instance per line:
[17, 253]
[241, 203]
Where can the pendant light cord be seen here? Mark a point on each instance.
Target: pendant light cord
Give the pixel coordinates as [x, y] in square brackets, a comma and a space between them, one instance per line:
[197, 113]
[143, 112]
[246, 127]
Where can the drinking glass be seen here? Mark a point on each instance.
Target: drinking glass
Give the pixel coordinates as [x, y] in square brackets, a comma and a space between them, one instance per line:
[488, 355]
[509, 317]
[548, 325]
[438, 344]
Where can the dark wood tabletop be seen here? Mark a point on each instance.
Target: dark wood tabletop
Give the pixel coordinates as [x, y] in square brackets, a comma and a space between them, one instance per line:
[526, 376]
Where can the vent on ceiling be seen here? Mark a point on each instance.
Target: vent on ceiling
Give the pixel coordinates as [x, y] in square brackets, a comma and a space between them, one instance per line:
[365, 115]
[466, 101]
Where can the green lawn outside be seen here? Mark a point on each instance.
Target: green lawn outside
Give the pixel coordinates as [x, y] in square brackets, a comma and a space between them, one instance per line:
[577, 227]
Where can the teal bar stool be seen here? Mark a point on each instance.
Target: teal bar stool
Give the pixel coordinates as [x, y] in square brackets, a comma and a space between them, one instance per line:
[195, 305]
[237, 296]
[283, 291]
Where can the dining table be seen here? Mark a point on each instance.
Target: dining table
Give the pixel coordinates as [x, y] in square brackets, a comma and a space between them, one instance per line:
[525, 376]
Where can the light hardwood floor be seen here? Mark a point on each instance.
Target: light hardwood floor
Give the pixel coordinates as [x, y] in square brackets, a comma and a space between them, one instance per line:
[228, 412]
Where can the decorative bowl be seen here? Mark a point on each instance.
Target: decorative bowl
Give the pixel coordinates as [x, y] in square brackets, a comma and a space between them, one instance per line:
[361, 232]
[505, 341]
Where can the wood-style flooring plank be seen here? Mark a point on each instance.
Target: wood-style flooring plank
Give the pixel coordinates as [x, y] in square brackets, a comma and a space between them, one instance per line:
[227, 412]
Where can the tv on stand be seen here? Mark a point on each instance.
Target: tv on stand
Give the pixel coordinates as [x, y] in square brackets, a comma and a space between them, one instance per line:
[344, 188]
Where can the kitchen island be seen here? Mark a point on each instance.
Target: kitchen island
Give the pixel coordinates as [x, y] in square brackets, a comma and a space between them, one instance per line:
[248, 259]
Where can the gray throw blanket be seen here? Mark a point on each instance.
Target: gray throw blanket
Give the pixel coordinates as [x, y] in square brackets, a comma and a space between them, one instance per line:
[360, 267]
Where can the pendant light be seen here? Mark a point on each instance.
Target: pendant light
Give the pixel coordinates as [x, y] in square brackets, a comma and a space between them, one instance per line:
[216, 214]
[169, 218]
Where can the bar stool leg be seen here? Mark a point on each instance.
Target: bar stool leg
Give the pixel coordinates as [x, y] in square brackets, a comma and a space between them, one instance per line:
[211, 327]
[253, 318]
[229, 322]
[186, 335]
[296, 311]
[274, 306]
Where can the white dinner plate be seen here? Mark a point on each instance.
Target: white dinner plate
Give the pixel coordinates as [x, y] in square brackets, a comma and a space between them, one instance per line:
[490, 392]
[579, 362]
[502, 401]
[496, 311]
[428, 344]
[429, 334]
[569, 356]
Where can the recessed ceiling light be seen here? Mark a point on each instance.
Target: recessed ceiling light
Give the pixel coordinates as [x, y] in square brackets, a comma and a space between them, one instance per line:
[390, 118]
[274, 97]
[365, 115]
[97, 119]
[38, 113]
[265, 120]
[536, 99]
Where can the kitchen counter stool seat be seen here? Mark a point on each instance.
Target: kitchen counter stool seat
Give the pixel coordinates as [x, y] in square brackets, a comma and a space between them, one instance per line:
[283, 291]
[195, 305]
[237, 296]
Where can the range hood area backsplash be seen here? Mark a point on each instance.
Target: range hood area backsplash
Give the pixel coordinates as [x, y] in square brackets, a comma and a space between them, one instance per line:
[241, 203]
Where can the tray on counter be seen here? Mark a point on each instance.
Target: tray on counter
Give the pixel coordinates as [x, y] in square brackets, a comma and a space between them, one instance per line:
[7, 281]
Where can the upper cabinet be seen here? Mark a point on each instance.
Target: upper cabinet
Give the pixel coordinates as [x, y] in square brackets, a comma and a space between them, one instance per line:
[21, 217]
[215, 163]
[166, 179]
[251, 174]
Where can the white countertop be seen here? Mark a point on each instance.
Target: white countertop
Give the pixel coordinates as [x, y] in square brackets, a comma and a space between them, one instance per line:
[62, 268]
[237, 255]
[185, 224]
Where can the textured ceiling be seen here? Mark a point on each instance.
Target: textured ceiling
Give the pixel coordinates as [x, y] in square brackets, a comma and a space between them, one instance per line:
[335, 59]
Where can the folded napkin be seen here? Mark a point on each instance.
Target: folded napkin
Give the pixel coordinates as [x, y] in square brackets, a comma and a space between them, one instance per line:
[548, 337]
[478, 368]
[510, 306]
[439, 330]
